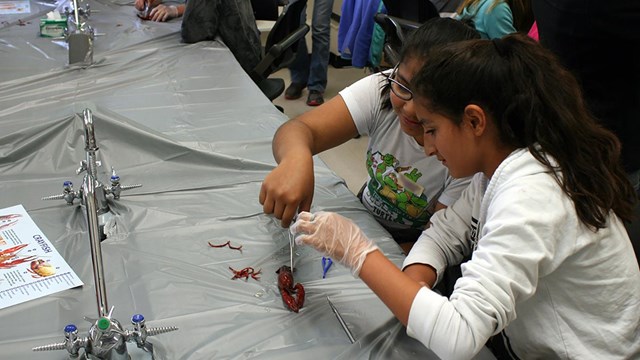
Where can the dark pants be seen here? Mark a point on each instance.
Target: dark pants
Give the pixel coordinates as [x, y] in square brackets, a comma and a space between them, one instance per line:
[232, 20]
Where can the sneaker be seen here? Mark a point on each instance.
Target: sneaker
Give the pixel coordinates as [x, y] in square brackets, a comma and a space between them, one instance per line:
[315, 98]
[294, 91]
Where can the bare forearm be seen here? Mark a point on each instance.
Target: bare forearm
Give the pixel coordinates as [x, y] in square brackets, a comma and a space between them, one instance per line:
[292, 139]
[423, 274]
[315, 131]
[393, 287]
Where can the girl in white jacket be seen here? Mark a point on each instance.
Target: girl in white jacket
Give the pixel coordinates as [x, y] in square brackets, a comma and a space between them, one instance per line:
[552, 271]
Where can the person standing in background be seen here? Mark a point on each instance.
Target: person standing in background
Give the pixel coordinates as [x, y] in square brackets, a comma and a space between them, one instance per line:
[311, 71]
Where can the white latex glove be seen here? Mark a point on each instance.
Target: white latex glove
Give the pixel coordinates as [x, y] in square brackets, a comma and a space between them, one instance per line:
[335, 236]
[163, 13]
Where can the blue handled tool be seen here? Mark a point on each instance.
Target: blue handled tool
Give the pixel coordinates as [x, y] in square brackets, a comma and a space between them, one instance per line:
[326, 264]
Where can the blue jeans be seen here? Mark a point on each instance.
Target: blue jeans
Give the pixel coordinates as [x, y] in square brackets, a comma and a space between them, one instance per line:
[312, 71]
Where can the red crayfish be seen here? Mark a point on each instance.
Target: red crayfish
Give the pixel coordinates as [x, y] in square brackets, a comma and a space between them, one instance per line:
[9, 220]
[245, 273]
[287, 289]
[41, 268]
[9, 257]
[228, 244]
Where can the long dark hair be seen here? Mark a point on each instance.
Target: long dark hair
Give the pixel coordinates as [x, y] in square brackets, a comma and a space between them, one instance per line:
[436, 31]
[536, 104]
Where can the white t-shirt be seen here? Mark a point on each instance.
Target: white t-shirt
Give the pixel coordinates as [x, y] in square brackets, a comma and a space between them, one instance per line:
[552, 286]
[404, 184]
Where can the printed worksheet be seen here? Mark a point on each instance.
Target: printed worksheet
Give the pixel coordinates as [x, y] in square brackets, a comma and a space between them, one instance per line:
[30, 267]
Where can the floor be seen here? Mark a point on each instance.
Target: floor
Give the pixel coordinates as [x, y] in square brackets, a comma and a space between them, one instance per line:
[346, 160]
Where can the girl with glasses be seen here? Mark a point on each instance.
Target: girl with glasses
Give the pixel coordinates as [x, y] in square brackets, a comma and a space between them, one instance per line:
[552, 273]
[404, 186]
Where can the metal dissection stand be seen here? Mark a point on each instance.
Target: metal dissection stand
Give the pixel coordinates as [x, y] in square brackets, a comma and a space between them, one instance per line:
[107, 338]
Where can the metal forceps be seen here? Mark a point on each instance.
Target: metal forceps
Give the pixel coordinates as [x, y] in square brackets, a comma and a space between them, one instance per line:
[291, 249]
[292, 244]
[343, 324]
[144, 14]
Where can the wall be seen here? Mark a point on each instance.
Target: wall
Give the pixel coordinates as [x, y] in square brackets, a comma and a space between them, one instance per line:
[337, 5]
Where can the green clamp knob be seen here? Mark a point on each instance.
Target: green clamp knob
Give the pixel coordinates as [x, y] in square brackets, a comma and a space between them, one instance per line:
[104, 324]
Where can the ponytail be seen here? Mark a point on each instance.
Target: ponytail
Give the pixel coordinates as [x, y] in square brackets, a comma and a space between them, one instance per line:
[536, 104]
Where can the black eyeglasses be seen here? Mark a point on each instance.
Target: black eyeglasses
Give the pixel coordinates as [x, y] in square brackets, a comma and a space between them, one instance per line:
[398, 89]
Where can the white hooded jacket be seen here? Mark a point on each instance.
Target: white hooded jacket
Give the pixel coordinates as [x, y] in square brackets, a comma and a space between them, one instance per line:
[556, 288]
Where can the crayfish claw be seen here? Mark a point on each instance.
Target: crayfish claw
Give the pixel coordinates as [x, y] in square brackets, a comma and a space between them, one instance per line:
[289, 301]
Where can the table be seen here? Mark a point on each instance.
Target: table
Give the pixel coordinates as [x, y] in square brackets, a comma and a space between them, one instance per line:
[187, 123]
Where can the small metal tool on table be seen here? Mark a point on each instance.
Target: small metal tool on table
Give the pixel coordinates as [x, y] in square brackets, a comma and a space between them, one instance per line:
[342, 322]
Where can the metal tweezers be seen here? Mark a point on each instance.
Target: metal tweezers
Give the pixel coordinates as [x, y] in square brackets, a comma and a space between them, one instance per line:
[291, 246]
[341, 321]
[146, 11]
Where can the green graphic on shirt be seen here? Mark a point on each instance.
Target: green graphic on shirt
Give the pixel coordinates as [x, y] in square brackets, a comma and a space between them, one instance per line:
[391, 200]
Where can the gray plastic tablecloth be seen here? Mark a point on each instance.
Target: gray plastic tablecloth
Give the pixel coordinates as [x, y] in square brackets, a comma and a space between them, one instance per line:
[187, 123]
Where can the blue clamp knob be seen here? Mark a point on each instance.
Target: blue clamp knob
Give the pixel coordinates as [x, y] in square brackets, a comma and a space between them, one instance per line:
[70, 328]
[137, 318]
[67, 183]
[115, 178]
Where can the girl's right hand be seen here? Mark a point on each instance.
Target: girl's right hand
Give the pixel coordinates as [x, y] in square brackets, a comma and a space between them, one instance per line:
[139, 4]
[288, 189]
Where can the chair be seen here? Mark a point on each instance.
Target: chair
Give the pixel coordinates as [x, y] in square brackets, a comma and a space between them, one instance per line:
[446, 6]
[412, 10]
[402, 17]
[280, 48]
[395, 29]
[265, 9]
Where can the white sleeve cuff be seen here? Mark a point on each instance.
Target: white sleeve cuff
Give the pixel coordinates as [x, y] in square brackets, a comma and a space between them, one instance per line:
[425, 252]
[424, 314]
[435, 322]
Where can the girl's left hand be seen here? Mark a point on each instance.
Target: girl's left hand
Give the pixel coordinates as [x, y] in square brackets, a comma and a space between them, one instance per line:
[335, 236]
